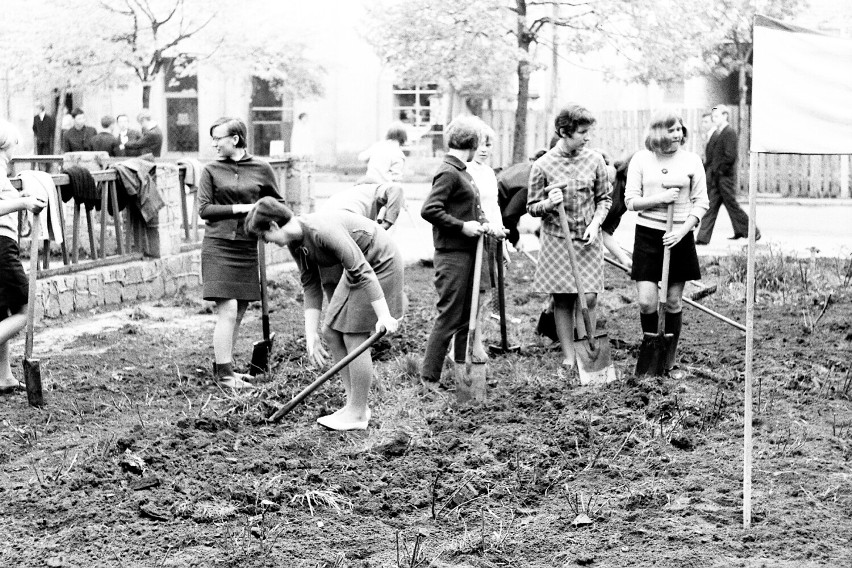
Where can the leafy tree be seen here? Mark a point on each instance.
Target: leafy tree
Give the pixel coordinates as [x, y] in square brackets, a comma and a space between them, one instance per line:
[474, 46]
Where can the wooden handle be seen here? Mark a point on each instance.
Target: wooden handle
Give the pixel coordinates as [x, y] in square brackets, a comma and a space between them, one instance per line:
[306, 392]
[581, 295]
[474, 299]
[264, 298]
[33, 275]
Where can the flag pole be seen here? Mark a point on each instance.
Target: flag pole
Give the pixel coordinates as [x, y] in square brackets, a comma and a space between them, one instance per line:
[749, 355]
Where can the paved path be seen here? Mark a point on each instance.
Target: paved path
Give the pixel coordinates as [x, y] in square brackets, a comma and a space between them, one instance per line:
[792, 226]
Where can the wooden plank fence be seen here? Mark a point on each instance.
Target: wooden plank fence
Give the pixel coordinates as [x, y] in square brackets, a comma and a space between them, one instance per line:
[621, 133]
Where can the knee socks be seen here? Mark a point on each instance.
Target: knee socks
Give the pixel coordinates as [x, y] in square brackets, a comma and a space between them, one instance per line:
[649, 322]
[673, 325]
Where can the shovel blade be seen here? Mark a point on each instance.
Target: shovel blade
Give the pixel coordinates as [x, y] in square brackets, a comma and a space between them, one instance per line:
[594, 361]
[32, 378]
[652, 354]
[260, 352]
[470, 382]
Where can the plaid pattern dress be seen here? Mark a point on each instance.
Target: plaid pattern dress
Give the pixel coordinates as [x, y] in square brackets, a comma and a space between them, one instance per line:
[587, 197]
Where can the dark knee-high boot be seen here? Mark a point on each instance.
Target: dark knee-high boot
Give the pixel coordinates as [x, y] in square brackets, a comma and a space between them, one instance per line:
[673, 324]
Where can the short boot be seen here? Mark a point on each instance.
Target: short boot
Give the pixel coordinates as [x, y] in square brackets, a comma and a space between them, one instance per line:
[673, 324]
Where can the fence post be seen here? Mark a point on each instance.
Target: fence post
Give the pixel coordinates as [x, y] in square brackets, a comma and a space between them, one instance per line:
[844, 176]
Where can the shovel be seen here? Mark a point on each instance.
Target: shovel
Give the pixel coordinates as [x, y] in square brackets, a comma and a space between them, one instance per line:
[504, 346]
[594, 362]
[307, 391]
[470, 378]
[261, 349]
[655, 346]
[32, 367]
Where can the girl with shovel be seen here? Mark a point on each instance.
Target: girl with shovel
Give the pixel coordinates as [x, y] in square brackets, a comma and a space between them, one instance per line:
[661, 179]
[368, 297]
[14, 286]
[586, 200]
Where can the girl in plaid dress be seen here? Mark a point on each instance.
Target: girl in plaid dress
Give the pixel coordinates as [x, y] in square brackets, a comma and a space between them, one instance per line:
[586, 200]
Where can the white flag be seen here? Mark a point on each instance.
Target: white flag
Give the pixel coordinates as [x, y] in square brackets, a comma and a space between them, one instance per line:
[801, 90]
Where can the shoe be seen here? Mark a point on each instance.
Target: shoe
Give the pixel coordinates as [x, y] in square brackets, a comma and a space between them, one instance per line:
[757, 236]
[677, 373]
[736, 237]
[236, 382]
[334, 422]
[12, 388]
[702, 243]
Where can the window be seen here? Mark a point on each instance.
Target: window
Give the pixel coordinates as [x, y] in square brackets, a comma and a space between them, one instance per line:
[181, 108]
[413, 104]
[271, 118]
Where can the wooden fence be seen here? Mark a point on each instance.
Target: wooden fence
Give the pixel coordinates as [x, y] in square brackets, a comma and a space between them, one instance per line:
[620, 133]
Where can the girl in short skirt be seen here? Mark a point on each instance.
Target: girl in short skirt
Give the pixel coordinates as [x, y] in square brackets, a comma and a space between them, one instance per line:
[657, 176]
[369, 296]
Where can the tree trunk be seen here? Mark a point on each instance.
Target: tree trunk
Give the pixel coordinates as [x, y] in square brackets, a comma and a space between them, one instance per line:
[58, 115]
[519, 142]
[146, 95]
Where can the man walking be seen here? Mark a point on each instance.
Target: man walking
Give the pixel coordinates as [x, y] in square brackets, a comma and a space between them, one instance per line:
[43, 125]
[721, 167]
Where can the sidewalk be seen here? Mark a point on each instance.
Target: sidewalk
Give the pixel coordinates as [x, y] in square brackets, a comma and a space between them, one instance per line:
[792, 226]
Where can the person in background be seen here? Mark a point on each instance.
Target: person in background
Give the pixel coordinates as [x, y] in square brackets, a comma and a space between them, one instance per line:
[43, 126]
[124, 133]
[14, 286]
[585, 200]
[151, 141]
[381, 202]
[104, 141]
[618, 178]
[720, 164]
[369, 298]
[228, 189]
[454, 211]
[656, 177]
[385, 159]
[512, 191]
[76, 138]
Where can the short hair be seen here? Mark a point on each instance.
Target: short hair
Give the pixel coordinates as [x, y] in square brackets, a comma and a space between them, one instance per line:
[658, 130]
[120, 115]
[144, 114]
[487, 134]
[77, 112]
[40, 105]
[235, 127]
[398, 132]
[463, 133]
[723, 109]
[264, 212]
[302, 115]
[571, 118]
[106, 121]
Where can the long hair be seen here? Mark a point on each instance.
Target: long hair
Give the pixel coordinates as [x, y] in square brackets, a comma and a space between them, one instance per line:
[658, 131]
[264, 212]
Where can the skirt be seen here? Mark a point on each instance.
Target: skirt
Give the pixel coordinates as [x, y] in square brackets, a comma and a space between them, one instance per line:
[14, 286]
[648, 257]
[553, 274]
[229, 270]
[350, 310]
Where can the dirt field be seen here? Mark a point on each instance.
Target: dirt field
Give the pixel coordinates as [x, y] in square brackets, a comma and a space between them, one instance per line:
[138, 459]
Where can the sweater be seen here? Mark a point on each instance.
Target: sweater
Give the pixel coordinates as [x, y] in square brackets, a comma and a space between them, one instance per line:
[647, 174]
[453, 201]
[225, 183]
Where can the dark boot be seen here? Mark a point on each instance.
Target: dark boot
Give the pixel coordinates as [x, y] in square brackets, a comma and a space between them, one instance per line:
[673, 324]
